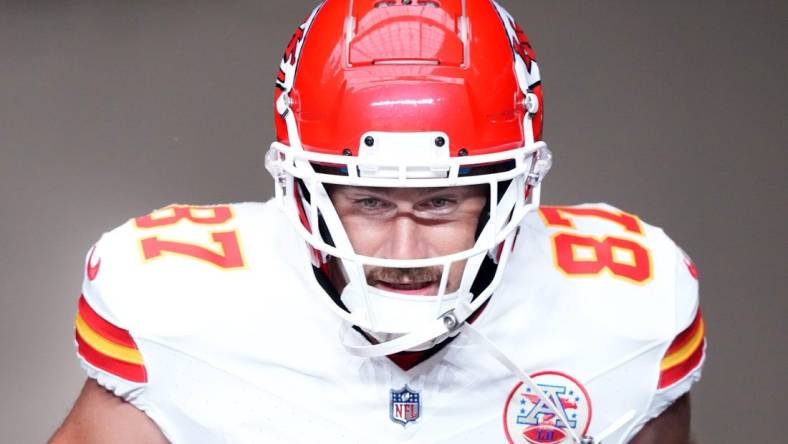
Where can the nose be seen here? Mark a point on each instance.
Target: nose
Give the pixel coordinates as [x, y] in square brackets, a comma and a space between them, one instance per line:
[406, 239]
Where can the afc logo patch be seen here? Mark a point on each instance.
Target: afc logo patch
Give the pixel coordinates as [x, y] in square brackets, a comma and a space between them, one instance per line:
[528, 420]
[405, 406]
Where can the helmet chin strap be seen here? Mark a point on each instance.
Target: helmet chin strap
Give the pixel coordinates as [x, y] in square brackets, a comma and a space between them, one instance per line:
[396, 313]
[489, 347]
[429, 333]
[496, 353]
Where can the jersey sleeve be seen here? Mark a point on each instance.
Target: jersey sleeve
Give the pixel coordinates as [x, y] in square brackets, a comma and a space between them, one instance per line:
[151, 281]
[682, 361]
[106, 348]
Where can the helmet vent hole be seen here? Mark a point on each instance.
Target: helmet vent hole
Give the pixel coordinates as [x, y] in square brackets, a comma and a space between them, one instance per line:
[425, 3]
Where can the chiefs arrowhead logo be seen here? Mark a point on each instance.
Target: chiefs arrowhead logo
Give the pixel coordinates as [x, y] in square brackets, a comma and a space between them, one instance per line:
[521, 45]
[93, 268]
[287, 67]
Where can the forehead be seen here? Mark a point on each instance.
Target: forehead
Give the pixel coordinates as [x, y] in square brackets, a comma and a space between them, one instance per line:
[404, 192]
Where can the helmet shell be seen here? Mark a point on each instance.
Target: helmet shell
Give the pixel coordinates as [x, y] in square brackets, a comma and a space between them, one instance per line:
[419, 66]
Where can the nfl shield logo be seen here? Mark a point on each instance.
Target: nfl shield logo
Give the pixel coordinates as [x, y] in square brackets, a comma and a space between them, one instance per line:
[405, 406]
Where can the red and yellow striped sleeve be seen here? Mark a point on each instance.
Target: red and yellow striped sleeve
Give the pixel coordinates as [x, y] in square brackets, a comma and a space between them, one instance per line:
[685, 354]
[106, 346]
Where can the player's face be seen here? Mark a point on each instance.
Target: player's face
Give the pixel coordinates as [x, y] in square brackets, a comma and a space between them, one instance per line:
[410, 223]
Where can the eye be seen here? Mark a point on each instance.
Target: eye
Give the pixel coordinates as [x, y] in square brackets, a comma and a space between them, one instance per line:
[438, 205]
[439, 202]
[371, 204]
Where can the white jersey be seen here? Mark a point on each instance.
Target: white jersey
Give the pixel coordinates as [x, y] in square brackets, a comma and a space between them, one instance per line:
[210, 320]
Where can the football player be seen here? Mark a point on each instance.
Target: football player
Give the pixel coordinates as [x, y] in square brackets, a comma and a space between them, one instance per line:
[403, 285]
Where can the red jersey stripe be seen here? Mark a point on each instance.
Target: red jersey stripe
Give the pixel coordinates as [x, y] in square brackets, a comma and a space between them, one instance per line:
[125, 370]
[102, 327]
[686, 335]
[680, 371]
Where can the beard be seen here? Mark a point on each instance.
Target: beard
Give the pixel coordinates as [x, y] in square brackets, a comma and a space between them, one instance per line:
[416, 275]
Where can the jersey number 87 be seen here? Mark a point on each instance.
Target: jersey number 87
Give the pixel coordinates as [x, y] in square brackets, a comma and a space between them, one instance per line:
[228, 255]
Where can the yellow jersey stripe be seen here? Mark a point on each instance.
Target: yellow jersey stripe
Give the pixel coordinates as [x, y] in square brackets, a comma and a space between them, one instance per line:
[682, 354]
[105, 346]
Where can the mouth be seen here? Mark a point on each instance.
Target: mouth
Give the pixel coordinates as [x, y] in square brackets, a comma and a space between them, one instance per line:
[421, 288]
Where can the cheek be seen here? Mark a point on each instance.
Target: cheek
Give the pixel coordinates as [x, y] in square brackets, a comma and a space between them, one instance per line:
[455, 276]
[452, 238]
[365, 235]
[460, 238]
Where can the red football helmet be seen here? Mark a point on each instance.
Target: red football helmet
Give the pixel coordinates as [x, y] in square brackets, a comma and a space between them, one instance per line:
[399, 93]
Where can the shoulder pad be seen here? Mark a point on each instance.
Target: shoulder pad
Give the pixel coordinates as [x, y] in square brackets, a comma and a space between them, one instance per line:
[686, 351]
[630, 278]
[106, 349]
[159, 275]
[625, 273]
[146, 272]
[682, 362]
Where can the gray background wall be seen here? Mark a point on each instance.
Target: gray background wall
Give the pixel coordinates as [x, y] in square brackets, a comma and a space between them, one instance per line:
[672, 110]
